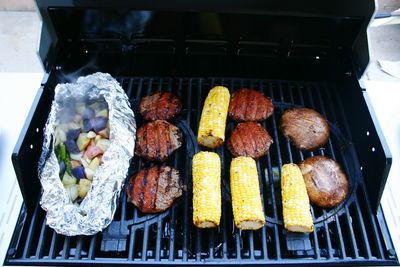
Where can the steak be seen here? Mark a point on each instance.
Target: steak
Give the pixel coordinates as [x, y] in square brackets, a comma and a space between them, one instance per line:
[154, 189]
[159, 106]
[249, 139]
[157, 140]
[250, 105]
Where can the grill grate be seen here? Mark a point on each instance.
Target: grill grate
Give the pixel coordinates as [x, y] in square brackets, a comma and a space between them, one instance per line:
[345, 235]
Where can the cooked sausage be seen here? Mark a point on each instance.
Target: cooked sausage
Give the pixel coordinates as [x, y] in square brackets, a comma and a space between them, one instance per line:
[250, 105]
[307, 129]
[160, 106]
[249, 139]
[157, 140]
[154, 189]
[326, 182]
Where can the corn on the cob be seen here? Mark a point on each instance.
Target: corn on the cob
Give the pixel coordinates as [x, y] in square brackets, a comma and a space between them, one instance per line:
[213, 117]
[296, 205]
[245, 189]
[206, 171]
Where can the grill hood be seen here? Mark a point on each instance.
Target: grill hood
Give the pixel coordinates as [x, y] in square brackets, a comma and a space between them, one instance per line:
[282, 31]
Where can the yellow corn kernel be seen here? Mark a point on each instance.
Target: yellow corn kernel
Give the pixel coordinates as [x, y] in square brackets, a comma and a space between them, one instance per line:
[245, 190]
[213, 117]
[296, 204]
[206, 172]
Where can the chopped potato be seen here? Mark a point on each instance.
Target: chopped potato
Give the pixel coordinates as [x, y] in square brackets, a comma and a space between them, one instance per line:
[83, 187]
[68, 180]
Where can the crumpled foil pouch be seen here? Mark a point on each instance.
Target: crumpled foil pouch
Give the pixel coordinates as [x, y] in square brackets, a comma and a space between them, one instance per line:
[97, 209]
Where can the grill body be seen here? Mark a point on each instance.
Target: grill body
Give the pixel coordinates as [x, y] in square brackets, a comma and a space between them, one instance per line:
[349, 234]
[309, 55]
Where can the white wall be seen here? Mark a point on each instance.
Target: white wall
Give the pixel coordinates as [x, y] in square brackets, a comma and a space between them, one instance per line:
[20, 5]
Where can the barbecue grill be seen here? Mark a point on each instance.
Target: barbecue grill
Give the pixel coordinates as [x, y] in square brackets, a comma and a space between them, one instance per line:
[299, 54]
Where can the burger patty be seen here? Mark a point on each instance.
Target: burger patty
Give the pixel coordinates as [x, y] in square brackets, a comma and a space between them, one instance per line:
[325, 180]
[159, 106]
[250, 105]
[157, 140]
[154, 189]
[307, 128]
[249, 139]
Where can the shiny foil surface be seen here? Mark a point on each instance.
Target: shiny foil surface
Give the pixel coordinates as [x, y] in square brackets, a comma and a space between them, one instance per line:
[97, 209]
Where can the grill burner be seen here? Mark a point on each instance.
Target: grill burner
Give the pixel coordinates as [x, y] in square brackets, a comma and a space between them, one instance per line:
[348, 234]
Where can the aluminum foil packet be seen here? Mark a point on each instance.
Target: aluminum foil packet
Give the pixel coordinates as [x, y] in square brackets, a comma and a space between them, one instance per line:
[97, 208]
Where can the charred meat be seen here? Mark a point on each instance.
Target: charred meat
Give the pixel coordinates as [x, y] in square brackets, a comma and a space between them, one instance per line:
[250, 105]
[154, 189]
[249, 139]
[157, 140]
[160, 106]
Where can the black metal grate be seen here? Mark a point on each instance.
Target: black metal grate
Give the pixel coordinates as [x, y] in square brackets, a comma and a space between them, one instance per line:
[349, 234]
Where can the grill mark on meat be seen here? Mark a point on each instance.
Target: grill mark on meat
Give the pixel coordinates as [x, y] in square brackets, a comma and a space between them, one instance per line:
[157, 140]
[169, 147]
[259, 111]
[244, 114]
[158, 102]
[146, 147]
[252, 141]
[167, 188]
[155, 188]
[144, 180]
[168, 143]
[158, 137]
[140, 204]
[246, 141]
[142, 188]
[250, 105]
[161, 188]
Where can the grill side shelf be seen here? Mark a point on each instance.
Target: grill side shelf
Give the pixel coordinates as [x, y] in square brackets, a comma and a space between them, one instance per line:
[29, 146]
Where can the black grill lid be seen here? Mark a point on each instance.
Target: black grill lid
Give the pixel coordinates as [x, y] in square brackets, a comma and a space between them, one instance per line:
[284, 29]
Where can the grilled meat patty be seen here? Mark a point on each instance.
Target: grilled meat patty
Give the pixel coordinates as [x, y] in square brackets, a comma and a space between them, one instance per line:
[157, 140]
[154, 189]
[249, 139]
[307, 128]
[325, 180]
[250, 105]
[159, 106]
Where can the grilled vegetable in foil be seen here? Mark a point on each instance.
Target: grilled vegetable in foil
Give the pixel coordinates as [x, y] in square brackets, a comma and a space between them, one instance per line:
[89, 140]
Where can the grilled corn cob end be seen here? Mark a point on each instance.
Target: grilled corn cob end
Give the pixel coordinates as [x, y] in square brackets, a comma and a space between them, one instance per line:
[206, 171]
[296, 205]
[213, 117]
[245, 189]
